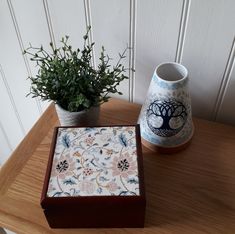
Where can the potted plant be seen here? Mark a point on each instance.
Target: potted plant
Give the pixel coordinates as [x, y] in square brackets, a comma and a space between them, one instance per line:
[67, 77]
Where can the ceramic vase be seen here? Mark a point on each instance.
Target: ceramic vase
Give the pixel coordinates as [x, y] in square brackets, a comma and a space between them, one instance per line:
[166, 117]
[88, 117]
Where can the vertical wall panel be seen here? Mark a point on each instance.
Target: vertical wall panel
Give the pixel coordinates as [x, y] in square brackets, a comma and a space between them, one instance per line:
[8, 119]
[226, 112]
[158, 23]
[33, 27]
[208, 41]
[14, 69]
[5, 148]
[68, 18]
[110, 27]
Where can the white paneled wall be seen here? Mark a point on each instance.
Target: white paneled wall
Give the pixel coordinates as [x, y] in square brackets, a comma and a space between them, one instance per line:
[157, 29]
[67, 19]
[30, 27]
[208, 41]
[6, 147]
[14, 72]
[226, 107]
[110, 22]
[197, 33]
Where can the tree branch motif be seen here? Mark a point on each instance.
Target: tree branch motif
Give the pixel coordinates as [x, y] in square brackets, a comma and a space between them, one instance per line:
[166, 110]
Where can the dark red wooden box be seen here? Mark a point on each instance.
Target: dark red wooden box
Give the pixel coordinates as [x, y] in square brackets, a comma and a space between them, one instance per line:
[95, 178]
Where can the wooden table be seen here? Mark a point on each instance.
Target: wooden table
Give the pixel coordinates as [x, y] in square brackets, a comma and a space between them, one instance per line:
[189, 192]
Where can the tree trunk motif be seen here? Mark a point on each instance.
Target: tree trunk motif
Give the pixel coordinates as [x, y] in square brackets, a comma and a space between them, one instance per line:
[169, 111]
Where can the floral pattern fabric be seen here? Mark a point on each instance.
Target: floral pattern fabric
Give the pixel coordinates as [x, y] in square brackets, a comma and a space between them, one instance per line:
[100, 161]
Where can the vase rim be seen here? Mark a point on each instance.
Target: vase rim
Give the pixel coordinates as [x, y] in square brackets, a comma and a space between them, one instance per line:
[181, 67]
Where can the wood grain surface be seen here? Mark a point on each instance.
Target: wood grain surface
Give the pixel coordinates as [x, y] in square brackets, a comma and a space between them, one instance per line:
[192, 191]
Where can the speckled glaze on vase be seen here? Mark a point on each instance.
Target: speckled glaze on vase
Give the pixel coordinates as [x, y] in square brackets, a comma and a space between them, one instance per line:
[82, 118]
[166, 117]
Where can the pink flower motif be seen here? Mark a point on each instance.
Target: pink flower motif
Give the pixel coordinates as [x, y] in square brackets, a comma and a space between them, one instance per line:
[124, 165]
[62, 167]
[109, 152]
[87, 187]
[112, 186]
[89, 140]
[87, 171]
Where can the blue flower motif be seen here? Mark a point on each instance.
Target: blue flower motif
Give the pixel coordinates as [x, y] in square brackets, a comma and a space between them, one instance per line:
[69, 182]
[99, 190]
[122, 140]
[66, 141]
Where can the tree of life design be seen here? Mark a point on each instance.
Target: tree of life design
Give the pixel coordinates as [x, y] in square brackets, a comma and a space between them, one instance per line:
[166, 117]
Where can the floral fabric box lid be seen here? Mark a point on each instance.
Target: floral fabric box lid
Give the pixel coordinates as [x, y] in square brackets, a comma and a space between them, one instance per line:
[94, 165]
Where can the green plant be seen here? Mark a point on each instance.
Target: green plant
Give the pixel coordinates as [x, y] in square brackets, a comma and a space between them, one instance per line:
[67, 77]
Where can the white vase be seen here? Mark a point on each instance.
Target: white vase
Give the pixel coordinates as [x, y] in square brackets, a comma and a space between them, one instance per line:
[88, 117]
[166, 117]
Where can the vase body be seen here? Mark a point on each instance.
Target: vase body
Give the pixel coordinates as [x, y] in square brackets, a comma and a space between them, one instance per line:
[166, 117]
[88, 117]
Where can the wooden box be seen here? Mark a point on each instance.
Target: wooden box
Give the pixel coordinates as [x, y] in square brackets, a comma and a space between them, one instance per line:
[95, 178]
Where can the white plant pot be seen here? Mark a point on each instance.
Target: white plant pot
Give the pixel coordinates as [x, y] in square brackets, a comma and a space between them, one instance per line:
[88, 117]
